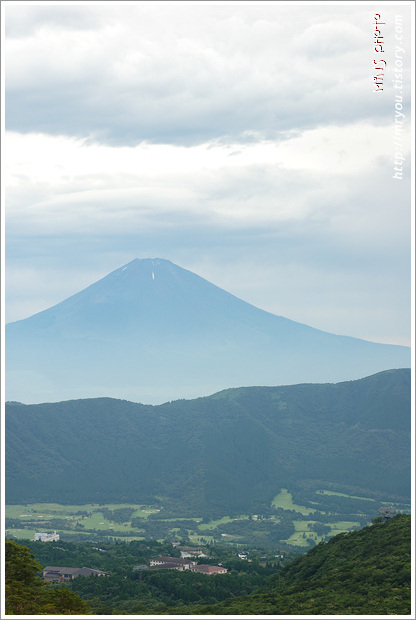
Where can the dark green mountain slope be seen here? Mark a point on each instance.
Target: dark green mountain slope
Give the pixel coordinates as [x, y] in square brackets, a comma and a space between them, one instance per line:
[229, 452]
[366, 572]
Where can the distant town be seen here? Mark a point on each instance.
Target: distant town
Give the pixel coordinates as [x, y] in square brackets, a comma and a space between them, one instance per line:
[188, 560]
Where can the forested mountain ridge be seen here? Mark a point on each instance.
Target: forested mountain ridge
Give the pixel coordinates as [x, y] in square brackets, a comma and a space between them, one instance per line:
[232, 451]
[174, 335]
[366, 572]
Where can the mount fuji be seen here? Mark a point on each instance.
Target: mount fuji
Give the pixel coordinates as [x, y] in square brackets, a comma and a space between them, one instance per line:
[151, 331]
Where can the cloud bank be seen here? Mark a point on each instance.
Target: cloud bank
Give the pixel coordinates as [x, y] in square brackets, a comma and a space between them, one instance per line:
[242, 141]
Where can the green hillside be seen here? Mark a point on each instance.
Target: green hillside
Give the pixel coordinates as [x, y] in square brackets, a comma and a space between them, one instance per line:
[230, 452]
[26, 593]
[366, 572]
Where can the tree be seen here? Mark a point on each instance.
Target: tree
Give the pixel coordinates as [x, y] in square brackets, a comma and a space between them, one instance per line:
[20, 564]
[27, 594]
[387, 512]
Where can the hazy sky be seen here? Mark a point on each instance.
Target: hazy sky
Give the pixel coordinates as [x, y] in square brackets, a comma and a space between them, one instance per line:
[242, 141]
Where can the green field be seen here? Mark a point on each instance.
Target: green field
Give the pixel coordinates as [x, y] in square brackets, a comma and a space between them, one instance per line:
[213, 524]
[302, 528]
[29, 510]
[343, 526]
[78, 518]
[200, 540]
[284, 500]
[131, 521]
[324, 492]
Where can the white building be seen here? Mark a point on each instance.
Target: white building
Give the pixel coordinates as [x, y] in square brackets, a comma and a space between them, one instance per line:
[164, 561]
[45, 537]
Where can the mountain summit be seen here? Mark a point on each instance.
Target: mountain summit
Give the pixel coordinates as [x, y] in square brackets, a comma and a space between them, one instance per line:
[151, 331]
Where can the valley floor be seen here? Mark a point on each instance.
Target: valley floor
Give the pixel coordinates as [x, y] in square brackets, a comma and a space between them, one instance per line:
[286, 525]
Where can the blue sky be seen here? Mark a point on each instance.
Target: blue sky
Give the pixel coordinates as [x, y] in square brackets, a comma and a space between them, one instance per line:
[242, 141]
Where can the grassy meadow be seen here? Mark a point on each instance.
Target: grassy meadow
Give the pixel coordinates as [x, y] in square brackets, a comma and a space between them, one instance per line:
[308, 525]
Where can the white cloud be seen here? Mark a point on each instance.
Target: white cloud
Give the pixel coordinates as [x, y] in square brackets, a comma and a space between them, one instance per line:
[337, 38]
[189, 74]
[240, 139]
[62, 183]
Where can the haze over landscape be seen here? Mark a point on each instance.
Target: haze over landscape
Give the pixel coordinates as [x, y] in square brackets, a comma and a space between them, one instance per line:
[151, 331]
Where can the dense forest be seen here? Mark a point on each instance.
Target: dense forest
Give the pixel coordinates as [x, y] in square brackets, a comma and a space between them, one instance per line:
[366, 572]
[361, 572]
[127, 590]
[228, 453]
[26, 593]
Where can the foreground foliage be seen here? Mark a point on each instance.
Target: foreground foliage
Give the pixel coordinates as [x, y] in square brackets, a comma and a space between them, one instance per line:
[27, 594]
[363, 572]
